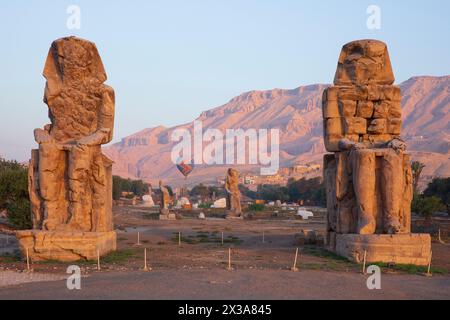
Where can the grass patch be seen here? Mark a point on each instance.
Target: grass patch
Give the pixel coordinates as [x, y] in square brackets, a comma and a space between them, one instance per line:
[119, 256]
[322, 253]
[410, 268]
[206, 237]
[11, 258]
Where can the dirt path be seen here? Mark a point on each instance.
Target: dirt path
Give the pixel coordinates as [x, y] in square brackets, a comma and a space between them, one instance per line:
[196, 268]
[242, 284]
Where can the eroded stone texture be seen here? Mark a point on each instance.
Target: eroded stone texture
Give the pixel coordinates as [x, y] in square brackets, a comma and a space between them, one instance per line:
[164, 213]
[70, 180]
[399, 249]
[368, 178]
[363, 103]
[233, 194]
[364, 62]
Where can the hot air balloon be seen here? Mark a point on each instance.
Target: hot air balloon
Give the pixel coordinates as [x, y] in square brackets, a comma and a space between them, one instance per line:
[185, 169]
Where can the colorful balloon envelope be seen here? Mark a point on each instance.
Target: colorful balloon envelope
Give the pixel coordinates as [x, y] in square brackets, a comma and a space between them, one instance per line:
[185, 169]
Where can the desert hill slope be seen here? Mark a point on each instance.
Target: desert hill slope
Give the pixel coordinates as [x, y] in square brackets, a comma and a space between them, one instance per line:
[297, 114]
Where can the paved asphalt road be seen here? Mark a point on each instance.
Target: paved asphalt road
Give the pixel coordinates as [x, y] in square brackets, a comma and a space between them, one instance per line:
[241, 284]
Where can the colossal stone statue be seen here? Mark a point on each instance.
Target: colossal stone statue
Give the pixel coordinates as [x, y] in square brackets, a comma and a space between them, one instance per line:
[368, 176]
[233, 194]
[69, 177]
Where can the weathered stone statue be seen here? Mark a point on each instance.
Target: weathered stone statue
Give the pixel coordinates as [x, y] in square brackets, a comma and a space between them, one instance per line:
[164, 213]
[233, 194]
[69, 177]
[368, 177]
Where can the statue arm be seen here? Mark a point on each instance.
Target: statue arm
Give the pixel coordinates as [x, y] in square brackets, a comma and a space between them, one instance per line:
[397, 144]
[346, 144]
[43, 135]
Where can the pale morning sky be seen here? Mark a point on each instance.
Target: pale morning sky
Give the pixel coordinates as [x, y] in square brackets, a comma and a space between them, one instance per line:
[170, 60]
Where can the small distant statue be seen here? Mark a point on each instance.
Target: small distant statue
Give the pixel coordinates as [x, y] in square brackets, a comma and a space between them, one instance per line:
[233, 194]
[165, 198]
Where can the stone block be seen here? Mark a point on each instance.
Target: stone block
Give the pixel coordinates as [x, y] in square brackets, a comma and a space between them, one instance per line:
[333, 126]
[352, 93]
[381, 109]
[331, 94]
[332, 142]
[170, 216]
[364, 109]
[330, 109]
[392, 93]
[355, 125]
[65, 245]
[400, 248]
[377, 126]
[376, 138]
[395, 109]
[347, 108]
[394, 126]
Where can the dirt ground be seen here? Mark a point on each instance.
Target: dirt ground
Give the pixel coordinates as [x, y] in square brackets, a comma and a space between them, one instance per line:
[266, 243]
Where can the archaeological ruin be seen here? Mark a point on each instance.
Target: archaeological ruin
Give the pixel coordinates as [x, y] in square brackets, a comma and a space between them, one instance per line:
[368, 174]
[70, 180]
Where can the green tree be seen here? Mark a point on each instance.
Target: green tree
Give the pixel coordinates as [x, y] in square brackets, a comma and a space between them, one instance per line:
[117, 187]
[426, 206]
[200, 191]
[272, 193]
[247, 192]
[309, 190]
[417, 168]
[19, 214]
[440, 187]
[14, 193]
[139, 188]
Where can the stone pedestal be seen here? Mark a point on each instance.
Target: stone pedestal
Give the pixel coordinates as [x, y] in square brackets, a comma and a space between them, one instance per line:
[168, 216]
[65, 246]
[232, 216]
[400, 249]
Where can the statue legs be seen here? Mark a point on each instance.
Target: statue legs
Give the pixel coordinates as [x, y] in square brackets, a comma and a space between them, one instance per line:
[51, 184]
[392, 180]
[364, 182]
[80, 196]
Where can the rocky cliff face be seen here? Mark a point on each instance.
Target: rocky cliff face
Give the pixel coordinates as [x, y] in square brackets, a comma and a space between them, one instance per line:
[297, 114]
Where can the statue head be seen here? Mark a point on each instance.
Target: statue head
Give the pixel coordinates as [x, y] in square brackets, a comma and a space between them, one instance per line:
[71, 61]
[233, 173]
[364, 62]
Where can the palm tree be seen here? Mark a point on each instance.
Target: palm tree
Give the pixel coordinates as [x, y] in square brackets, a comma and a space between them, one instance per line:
[417, 168]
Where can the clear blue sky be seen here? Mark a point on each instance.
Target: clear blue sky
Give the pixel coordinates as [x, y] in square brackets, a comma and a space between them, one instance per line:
[170, 60]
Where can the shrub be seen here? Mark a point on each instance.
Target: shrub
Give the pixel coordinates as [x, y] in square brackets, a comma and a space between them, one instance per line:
[205, 205]
[256, 207]
[14, 193]
[426, 206]
[19, 214]
[440, 187]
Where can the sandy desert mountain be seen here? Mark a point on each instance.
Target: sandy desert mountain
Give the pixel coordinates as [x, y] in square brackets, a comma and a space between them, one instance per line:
[297, 114]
